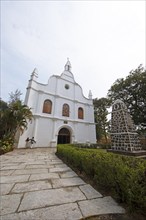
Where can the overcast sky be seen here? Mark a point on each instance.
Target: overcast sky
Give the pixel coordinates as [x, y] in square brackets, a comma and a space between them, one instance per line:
[104, 41]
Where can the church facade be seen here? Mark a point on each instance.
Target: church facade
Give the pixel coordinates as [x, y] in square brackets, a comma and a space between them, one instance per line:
[61, 113]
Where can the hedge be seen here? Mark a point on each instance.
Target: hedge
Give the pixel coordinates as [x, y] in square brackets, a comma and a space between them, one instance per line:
[124, 176]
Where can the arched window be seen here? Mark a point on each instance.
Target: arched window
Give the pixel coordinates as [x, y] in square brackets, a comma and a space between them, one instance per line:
[80, 113]
[47, 107]
[65, 110]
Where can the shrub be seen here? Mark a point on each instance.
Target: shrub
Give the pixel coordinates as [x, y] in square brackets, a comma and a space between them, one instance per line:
[124, 176]
[6, 145]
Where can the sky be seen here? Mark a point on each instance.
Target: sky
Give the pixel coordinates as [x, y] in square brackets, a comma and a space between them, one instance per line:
[104, 41]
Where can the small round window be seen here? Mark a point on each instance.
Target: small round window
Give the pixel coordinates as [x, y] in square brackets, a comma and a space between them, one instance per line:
[66, 86]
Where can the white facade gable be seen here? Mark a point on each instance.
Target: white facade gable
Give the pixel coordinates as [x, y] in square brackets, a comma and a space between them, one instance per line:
[61, 112]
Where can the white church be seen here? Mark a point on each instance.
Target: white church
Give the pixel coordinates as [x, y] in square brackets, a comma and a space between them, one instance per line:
[61, 113]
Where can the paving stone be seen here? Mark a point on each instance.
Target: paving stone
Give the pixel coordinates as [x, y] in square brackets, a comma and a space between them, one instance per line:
[38, 162]
[43, 176]
[31, 186]
[29, 190]
[75, 181]
[100, 206]
[68, 174]
[5, 188]
[29, 171]
[61, 212]
[90, 192]
[9, 203]
[61, 165]
[54, 162]
[59, 169]
[44, 198]
[6, 172]
[13, 167]
[56, 159]
[38, 166]
[44, 158]
[14, 179]
[8, 164]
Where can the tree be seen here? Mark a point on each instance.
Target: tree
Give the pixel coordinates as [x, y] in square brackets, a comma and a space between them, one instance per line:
[19, 116]
[14, 117]
[3, 117]
[132, 91]
[15, 96]
[100, 111]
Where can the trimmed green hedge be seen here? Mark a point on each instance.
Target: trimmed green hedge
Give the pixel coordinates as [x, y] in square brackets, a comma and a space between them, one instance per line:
[122, 175]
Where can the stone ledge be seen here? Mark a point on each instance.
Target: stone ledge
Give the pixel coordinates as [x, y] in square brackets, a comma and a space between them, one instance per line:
[129, 153]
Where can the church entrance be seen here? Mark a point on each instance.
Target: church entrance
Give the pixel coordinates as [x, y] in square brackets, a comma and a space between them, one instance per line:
[63, 136]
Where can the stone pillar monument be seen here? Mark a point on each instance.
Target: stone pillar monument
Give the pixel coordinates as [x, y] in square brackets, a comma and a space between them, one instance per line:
[123, 131]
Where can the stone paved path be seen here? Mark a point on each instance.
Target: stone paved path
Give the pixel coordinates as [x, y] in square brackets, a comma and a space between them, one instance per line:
[36, 185]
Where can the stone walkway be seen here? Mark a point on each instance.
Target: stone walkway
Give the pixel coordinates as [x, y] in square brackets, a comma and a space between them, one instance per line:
[36, 185]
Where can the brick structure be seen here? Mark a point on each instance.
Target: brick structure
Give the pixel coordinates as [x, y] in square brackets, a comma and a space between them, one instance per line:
[123, 131]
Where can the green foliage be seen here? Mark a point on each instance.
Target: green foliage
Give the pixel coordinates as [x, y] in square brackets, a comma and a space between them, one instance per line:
[105, 146]
[132, 90]
[6, 144]
[14, 116]
[100, 114]
[87, 145]
[124, 176]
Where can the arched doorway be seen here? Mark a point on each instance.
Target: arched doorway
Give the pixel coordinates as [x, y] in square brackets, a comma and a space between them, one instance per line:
[63, 136]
